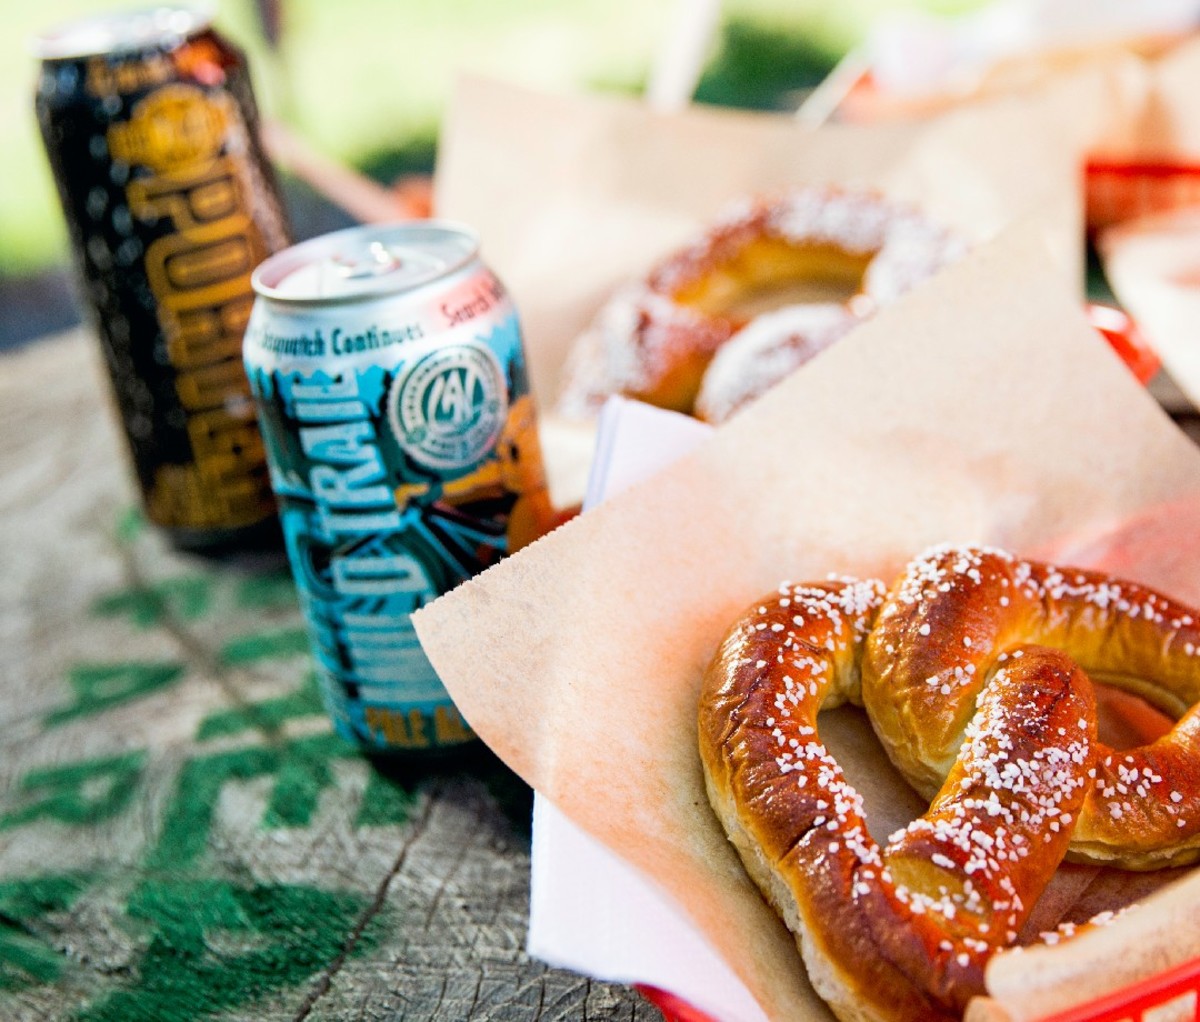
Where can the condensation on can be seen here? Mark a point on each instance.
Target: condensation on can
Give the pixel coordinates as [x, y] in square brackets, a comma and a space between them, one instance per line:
[151, 130]
[390, 379]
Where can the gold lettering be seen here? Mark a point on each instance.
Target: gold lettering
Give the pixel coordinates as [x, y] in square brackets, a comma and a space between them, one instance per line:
[397, 729]
[416, 727]
[104, 77]
[193, 266]
[212, 385]
[100, 79]
[213, 200]
[200, 278]
[220, 437]
[449, 728]
[209, 333]
[190, 199]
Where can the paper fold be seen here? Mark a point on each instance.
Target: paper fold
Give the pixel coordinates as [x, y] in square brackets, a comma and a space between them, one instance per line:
[979, 408]
[574, 195]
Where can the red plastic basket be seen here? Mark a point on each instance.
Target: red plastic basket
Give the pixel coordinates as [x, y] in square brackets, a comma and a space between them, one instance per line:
[1129, 1004]
[1126, 339]
[1120, 190]
[1132, 1002]
[674, 1009]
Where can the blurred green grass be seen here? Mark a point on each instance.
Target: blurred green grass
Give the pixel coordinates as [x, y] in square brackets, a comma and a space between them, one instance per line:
[365, 81]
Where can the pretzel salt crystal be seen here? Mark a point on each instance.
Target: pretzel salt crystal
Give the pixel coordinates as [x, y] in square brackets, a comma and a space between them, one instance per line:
[903, 933]
[956, 615]
[654, 339]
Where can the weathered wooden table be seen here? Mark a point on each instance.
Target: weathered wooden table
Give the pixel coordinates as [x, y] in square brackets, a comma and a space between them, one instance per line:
[181, 836]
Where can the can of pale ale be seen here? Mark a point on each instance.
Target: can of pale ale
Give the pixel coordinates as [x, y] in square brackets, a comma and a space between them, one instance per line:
[151, 131]
[390, 379]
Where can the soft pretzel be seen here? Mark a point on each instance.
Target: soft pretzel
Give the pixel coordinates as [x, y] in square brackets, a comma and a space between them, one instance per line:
[989, 652]
[957, 614]
[653, 340]
[765, 351]
[902, 933]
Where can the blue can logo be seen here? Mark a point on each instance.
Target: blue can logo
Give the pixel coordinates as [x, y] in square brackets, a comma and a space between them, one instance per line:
[448, 410]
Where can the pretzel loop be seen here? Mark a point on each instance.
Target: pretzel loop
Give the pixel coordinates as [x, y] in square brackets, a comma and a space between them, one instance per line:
[972, 670]
[956, 615]
[821, 257]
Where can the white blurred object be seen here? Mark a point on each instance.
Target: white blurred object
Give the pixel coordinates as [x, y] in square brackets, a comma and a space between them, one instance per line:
[680, 59]
[590, 911]
[914, 54]
[1153, 265]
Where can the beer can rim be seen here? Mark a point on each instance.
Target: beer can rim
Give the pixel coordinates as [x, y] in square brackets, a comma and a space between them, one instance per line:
[123, 31]
[269, 276]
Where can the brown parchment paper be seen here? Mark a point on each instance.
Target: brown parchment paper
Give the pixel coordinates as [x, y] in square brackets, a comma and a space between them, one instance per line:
[979, 408]
[573, 195]
[1164, 125]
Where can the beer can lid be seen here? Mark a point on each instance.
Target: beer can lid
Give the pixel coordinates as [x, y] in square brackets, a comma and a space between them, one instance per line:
[366, 262]
[122, 31]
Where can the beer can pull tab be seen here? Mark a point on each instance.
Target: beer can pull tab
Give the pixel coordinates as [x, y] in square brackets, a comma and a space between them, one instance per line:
[380, 260]
[344, 266]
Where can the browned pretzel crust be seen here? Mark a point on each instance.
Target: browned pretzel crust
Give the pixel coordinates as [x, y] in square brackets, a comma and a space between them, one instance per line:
[955, 616]
[904, 932]
[654, 338]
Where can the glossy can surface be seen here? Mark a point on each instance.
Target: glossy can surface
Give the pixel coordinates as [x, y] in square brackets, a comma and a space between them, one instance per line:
[390, 379]
[151, 130]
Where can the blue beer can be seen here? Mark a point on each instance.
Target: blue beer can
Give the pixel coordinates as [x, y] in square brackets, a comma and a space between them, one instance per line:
[389, 378]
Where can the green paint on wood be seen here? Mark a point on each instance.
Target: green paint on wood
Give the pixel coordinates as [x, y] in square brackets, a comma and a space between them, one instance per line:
[190, 813]
[217, 946]
[264, 646]
[301, 780]
[79, 793]
[386, 802]
[303, 775]
[130, 524]
[27, 958]
[272, 591]
[268, 715]
[99, 687]
[185, 598]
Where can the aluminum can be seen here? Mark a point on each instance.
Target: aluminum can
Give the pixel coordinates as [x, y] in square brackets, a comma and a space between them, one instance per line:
[390, 379]
[151, 130]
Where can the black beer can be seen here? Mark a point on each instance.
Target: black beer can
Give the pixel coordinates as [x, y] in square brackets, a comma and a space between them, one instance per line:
[151, 130]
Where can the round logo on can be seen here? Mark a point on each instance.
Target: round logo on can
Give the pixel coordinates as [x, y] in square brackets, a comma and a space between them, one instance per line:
[448, 409]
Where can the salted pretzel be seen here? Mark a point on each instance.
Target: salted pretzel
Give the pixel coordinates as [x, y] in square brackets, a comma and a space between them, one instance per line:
[766, 350]
[956, 615]
[903, 932]
[654, 339]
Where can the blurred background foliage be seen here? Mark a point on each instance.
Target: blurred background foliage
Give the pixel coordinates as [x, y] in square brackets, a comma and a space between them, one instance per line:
[365, 82]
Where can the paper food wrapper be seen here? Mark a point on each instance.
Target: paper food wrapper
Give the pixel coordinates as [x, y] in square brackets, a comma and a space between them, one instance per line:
[573, 196]
[635, 934]
[979, 408]
[1165, 125]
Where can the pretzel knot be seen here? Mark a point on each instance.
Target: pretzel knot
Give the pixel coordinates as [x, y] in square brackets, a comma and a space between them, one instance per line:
[972, 672]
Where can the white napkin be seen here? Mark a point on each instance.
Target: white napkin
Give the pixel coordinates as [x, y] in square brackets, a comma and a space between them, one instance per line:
[590, 911]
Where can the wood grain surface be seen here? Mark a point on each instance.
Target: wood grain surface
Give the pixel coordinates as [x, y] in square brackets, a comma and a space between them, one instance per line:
[181, 835]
